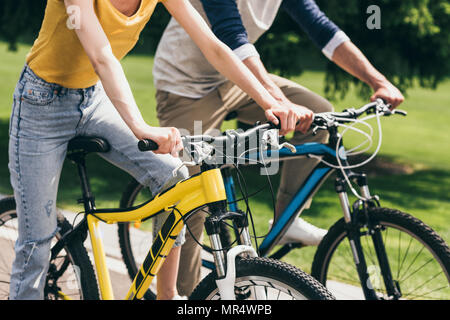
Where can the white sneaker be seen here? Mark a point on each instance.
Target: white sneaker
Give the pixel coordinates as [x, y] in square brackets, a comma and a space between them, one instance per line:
[302, 232]
[178, 297]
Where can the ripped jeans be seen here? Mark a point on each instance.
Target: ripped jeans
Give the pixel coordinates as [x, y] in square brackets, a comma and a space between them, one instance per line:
[44, 118]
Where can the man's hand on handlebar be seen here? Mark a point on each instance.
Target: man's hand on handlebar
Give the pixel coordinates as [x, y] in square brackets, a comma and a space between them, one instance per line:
[290, 117]
[305, 118]
[389, 93]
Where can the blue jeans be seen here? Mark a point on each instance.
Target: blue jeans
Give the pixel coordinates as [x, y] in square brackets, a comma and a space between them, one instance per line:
[44, 118]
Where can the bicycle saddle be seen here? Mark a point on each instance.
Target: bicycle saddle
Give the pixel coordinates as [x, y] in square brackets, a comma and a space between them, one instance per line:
[88, 145]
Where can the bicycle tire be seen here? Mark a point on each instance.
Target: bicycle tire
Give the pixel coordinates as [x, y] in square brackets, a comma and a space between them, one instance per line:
[273, 275]
[70, 274]
[401, 224]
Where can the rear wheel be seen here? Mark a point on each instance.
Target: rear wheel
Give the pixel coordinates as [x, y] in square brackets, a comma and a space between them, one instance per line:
[70, 275]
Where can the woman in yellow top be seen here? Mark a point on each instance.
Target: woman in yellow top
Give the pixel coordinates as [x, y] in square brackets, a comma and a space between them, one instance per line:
[73, 84]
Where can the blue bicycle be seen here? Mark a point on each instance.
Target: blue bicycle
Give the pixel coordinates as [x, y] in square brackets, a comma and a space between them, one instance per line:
[384, 253]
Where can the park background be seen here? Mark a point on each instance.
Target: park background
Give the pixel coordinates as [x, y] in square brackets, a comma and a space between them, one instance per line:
[412, 171]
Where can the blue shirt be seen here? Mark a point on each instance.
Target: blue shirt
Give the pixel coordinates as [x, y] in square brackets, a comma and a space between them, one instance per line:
[227, 24]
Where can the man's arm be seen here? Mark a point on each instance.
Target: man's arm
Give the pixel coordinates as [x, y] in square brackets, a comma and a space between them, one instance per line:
[351, 59]
[337, 47]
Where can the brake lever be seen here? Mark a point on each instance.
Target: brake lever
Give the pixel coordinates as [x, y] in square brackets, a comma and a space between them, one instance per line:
[327, 122]
[390, 112]
[317, 128]
[186, 163]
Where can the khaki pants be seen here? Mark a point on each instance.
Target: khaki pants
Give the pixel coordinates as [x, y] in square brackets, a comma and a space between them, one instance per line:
[181, 112]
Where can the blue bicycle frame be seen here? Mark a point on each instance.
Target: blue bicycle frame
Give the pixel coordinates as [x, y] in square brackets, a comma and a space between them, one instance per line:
[305, 192]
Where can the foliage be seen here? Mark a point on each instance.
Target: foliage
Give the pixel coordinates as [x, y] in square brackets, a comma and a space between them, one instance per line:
[20, 19]
[412, 44]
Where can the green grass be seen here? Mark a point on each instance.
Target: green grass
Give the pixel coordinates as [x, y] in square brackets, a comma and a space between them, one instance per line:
[420, 141]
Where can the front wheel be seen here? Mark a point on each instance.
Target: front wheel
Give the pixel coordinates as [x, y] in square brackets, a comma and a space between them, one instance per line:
[277, 280]
[418, 258]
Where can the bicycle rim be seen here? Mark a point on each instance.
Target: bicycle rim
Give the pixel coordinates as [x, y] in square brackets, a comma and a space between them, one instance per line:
[248, 288]
[418, 269]
[265, 279]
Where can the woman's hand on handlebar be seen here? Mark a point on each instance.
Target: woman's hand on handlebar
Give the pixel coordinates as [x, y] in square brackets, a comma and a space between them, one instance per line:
[168, 139]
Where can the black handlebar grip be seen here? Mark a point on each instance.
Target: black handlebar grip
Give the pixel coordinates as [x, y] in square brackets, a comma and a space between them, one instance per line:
[147, 145]
[278, 126]
[275, 126]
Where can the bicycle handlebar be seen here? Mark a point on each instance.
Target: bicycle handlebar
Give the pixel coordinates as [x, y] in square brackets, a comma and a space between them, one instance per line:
[150, 145]
[324, 120]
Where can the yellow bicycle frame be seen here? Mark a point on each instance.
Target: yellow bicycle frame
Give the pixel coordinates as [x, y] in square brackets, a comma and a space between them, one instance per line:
[183, 198]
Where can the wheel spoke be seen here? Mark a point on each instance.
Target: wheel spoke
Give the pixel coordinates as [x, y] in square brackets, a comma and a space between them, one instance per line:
[404, 258]
[427, 293]
[348, 257]
[431, 259]
[342, 269]
[347, 280]
[424, 283]
[371, 256]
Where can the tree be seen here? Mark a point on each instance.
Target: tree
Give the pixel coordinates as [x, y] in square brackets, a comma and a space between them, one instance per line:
[20, 19]
[411, 43]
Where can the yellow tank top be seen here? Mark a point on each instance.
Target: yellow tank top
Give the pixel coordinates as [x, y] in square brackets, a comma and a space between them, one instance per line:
[57, 55]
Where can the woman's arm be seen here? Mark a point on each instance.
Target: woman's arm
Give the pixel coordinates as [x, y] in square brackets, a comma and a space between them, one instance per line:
[226, 62]
[108, 68]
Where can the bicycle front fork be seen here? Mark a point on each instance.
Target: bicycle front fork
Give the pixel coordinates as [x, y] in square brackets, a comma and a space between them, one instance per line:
[213, 229]
[353, 217]
[225, 258]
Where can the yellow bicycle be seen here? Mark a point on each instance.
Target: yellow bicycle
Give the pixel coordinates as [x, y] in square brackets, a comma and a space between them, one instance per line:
[238, 273]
